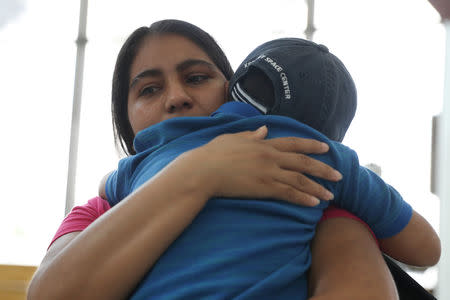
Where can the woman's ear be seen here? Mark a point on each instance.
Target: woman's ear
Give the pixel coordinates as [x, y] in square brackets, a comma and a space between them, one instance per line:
[227, 95]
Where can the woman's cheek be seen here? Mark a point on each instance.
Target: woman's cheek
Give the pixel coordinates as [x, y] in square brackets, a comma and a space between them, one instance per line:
[141, 115]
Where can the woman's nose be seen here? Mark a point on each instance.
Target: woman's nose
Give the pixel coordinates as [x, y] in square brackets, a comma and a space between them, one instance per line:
[177, 99]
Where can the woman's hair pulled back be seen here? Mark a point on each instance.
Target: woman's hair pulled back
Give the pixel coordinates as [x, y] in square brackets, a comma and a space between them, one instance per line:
[123, 133]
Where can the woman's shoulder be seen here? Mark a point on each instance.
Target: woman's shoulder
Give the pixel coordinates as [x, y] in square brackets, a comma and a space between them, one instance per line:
[82, 216]
[97, 204]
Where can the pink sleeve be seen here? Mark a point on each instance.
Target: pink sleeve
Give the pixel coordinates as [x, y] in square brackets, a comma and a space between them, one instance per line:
[82, 216]
[334, 212]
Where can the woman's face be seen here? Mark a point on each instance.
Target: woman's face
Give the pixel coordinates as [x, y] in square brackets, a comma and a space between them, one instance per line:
[172, 77]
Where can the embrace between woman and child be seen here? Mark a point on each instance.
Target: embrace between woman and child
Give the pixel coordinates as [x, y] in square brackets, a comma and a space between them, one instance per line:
[227, 178]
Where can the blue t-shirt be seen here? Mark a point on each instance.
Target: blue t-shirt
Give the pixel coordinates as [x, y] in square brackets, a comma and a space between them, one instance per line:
[248, 248]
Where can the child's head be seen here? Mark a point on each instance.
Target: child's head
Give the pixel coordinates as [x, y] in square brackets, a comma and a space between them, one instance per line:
[298, 79]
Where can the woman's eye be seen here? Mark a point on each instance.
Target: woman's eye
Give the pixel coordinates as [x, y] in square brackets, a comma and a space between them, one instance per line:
[149, 90]
[196, 79]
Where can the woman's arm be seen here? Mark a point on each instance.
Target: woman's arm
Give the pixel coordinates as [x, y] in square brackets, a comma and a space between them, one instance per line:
[347, 264]
[108, 259]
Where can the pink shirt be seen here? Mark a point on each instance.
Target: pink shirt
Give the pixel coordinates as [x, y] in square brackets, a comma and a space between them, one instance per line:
[82, 216]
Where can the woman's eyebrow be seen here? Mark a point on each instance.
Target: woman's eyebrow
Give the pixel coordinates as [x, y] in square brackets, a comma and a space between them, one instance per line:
[193, 62]
[145, 73]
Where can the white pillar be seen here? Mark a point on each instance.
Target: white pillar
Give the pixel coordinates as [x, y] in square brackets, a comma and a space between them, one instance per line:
[310, 28]
[443, 289]
[76, 107]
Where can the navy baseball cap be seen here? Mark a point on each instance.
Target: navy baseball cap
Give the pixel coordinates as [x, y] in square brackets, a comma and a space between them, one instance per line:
[300, 79]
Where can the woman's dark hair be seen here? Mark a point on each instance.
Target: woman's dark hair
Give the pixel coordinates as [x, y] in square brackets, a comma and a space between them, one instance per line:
[123, 133]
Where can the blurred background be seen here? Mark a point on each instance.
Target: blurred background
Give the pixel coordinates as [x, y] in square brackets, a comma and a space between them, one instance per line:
[395, 51]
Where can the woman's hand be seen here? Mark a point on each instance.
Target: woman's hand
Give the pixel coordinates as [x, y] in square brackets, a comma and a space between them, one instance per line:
[245, 165]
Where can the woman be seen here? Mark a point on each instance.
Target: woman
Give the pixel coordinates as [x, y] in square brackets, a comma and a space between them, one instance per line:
[175, 69]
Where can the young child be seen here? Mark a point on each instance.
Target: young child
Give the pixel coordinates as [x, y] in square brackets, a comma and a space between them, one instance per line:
[259, 248]
[298, 79]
